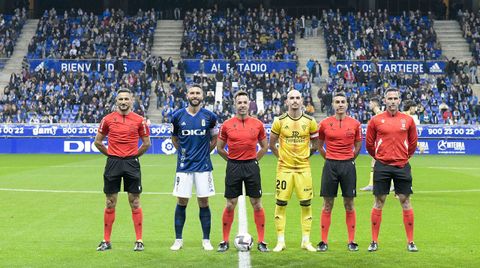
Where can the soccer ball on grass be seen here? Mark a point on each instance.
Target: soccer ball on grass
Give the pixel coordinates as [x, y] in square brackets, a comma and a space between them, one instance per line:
[243, 242]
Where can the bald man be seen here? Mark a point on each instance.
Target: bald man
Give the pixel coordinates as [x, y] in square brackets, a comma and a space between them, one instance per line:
[297, 136]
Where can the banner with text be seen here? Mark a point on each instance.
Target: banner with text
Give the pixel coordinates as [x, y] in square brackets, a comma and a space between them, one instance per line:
[408, 67]
[163, 145]
[78, 138]
[254, 66]
[84, 65]
[164, 130]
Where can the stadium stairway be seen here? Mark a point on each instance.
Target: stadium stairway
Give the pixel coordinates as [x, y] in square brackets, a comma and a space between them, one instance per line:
[167, 39]
[166, 43]
[313, 48]
[451, 39]
[153, 114]
[14, 64]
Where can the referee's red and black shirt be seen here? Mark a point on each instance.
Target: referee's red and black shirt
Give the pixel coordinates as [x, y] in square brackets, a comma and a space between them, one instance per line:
[123, 133]
[340, 136]
[242, 136]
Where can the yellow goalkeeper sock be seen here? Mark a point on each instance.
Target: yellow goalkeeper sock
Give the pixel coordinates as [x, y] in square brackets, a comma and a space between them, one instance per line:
[306, 220]
[280, 219]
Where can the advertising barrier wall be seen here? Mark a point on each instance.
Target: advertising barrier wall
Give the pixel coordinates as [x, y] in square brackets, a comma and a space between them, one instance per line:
[254, 66]
[408, 67]
[84, 65]
[78, 138]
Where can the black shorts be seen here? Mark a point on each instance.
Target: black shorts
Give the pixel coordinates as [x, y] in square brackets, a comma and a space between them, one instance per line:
[341, 172]
[126, 168]
[383, 174]
[246, 171]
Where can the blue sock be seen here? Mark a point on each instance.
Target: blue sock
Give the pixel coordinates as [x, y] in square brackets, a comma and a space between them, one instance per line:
[205, 220]
[179, 220]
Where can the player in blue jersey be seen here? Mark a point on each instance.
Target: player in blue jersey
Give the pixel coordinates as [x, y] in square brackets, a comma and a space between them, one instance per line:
[194, 136]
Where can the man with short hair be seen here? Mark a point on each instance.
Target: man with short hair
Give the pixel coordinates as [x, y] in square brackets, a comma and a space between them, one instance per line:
[124, 128]
[392, 141]
[410, 108]
[241, 134]
[297, 135]
[194, 136]
[343, 138]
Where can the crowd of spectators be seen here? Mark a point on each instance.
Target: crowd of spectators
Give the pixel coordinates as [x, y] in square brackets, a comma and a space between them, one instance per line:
[256, 33]
[10, 28]
[79, 35]
[45, 96]
[470, 23]
[440, 99]
[273, 87]
[377, 35]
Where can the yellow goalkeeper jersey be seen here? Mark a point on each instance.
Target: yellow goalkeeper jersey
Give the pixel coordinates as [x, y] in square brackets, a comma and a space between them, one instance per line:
[294, 141]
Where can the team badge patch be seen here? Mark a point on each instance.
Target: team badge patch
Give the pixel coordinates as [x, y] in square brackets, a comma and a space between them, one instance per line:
[404, 124]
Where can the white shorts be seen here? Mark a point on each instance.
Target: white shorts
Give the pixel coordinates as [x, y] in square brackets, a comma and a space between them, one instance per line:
[184, 181]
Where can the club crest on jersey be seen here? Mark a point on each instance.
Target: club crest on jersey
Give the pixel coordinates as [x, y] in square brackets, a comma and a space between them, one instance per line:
[404, 124]
[203, 122]
[304, 127]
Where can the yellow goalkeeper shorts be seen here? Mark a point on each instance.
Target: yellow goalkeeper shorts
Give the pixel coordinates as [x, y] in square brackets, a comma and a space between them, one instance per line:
[300, 181]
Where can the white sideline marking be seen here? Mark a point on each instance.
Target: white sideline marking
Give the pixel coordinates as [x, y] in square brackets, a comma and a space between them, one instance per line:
[169, 193]
[243, 256]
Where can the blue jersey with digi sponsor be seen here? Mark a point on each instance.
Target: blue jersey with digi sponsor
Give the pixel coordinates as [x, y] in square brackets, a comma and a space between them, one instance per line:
[194, 133]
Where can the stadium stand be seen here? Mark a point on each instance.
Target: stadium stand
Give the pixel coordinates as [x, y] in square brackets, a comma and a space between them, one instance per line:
[470, 23]
[78, 35]
[68, 97]
[45, 96]
[379, 35]
[10, 28]
[252, 34]
[441, 99]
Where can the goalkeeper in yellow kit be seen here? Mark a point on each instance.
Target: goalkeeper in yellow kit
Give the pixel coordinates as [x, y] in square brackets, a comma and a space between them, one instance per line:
[297, 136]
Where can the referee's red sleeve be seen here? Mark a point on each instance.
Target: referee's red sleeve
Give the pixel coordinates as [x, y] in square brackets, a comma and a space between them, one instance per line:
[371, 137]
[412, 139]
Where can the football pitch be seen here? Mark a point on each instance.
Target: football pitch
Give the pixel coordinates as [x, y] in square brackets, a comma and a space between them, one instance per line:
[52, 216]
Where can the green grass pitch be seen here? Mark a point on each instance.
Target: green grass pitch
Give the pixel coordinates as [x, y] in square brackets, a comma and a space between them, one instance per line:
[62, 228]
